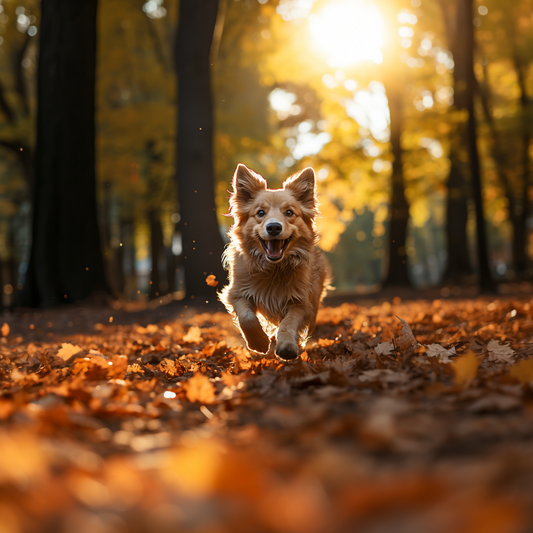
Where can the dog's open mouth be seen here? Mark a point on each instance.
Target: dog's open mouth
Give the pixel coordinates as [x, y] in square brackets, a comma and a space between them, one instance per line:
[274, 248]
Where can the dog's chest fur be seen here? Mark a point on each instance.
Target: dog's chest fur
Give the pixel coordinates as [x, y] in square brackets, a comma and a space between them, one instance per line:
[272, 290]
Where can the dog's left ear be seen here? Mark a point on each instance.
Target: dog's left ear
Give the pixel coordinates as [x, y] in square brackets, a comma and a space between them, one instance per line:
[303, 186]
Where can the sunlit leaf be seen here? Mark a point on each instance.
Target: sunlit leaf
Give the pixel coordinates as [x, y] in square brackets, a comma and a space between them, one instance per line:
[67, 351]
[200, 389]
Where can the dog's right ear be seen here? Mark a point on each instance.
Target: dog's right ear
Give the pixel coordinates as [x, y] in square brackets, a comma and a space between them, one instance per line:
[246, 184]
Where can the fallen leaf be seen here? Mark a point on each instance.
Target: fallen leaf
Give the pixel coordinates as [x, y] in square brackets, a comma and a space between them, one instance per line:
[501, 353]
[67, 351]
[436, 350]
[231, 380]
[325, 342]
[200, 389]
[194, 335]
[522, 371]
[465, 368]
[168, 366]
[4, 330]
[211, 280]
[384, 348]
[406, 339]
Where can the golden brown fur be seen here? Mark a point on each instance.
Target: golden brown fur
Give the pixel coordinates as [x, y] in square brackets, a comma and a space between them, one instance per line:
[277, 274]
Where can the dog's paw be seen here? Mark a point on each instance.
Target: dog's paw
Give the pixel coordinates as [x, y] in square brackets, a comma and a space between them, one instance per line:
[287, 351]
[259, 344]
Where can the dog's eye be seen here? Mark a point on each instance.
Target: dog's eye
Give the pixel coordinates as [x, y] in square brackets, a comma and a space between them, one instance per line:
[261, 213]
[289, 213]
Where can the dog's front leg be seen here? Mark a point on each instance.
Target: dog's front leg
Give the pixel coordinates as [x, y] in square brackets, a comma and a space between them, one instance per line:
[290, 329]
[256, 339]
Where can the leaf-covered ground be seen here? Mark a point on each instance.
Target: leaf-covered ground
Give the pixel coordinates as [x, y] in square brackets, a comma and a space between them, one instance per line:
[417, 425]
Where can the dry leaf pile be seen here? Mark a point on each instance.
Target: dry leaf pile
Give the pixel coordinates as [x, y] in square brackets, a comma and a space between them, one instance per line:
[412, 417]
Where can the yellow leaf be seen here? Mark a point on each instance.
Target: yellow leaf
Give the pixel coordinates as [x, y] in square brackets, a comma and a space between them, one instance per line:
[465, 369]
[522, 371]
[67, 351]
[200, 389]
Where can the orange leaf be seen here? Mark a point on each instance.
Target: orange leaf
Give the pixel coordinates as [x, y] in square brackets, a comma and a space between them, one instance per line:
[200, 389]
[67, 351]
[211, 280]
[194, 335]
[465, 369]
[4, 330]
[325, 342]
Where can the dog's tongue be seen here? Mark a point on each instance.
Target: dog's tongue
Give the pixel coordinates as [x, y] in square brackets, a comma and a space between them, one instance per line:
[274, 248]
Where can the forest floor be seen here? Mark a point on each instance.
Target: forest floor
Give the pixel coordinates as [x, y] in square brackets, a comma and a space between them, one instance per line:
[160, 420]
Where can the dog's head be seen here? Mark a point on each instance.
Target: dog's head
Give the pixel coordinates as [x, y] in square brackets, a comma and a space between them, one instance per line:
[274, 224]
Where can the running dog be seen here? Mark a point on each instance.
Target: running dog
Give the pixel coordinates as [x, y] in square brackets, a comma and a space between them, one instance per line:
[277, 274]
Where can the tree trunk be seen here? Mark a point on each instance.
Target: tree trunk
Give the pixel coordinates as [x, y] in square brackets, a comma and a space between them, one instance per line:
[466, 92]
[156, 248]
[397, 274]
[458, 265]
[459, 191]
[521, 232]
[13, 262]
[66, 260]
[202, 242]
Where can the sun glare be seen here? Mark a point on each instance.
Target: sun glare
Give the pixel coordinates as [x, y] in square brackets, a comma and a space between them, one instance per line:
[348, 32]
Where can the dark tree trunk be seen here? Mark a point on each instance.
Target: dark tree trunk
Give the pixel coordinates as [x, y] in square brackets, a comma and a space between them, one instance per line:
[66, 260]
[397, 274]
[456, 223]
[465, 97]
[13, 263]
[459, 190]
[156, 247]
[520, 239]
[202, 242]
[521, 232]
[128, 244]
[171, 270]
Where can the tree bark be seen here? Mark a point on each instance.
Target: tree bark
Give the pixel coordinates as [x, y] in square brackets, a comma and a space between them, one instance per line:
[465, 97]
[66, 260]
[202, 242]
[397, 274]
[521, 232]
[459, 190]
[156, 247]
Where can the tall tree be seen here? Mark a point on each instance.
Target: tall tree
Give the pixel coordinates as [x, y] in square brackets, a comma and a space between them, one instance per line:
[464, 97]
[395, 69]
[399, 208]
[202, 242]
[66, 261]
[459, 190]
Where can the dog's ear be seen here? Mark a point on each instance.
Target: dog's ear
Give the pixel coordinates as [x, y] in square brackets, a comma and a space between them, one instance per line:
[303, 186]
[246, 184]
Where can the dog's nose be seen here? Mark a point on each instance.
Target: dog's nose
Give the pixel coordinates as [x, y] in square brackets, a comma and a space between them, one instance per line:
[274, 229]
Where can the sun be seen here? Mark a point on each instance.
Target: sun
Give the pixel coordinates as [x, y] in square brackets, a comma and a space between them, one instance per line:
[348, 32]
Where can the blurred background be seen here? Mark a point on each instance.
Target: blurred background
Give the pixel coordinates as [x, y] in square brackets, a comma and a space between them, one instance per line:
[416, 116]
